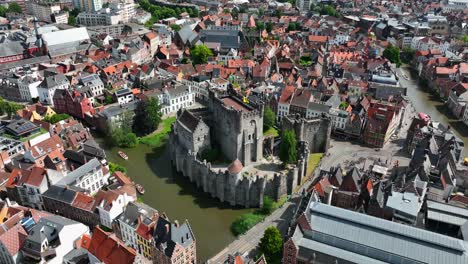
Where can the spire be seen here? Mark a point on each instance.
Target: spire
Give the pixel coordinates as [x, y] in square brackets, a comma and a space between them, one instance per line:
[36, 30]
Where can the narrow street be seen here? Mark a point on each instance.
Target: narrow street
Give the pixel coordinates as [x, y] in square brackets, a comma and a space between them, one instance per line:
[249, 241]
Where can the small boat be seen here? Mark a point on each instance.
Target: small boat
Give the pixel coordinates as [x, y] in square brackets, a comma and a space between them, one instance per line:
[123, 155]
[140, 189]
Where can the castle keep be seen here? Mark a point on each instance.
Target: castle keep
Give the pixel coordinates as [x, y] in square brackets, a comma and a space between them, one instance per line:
[236, 128]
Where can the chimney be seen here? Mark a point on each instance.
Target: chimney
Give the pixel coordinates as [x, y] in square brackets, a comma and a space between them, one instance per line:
[176, 223]
[139, 220]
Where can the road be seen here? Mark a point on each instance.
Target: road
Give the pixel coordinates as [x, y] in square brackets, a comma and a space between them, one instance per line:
[249, 241]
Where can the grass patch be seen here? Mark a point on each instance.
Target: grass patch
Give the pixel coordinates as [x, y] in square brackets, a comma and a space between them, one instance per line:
[314, 160]
[246, 221]
[271, 132]
[159, 137]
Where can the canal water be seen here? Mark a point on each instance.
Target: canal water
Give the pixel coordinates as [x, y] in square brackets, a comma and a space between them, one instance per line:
[424, 101]
[175, 195]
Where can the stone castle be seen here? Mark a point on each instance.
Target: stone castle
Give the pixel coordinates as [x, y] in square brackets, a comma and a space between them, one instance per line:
[236, 128]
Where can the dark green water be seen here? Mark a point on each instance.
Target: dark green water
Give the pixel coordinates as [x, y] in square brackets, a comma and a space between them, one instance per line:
[424, 101]
[169, 192]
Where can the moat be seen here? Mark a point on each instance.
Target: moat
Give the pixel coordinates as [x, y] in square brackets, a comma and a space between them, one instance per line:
[179, 198]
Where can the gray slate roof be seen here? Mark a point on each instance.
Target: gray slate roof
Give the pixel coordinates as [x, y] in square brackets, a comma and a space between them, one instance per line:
[229, 39]
[60, 193]
[73, 176]
[378, 239]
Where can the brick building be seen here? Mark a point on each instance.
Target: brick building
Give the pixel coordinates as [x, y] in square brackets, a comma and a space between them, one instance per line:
[72, 103]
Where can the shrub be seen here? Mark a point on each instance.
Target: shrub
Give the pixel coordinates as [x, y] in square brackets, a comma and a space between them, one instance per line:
[113, 167]
[244, 222]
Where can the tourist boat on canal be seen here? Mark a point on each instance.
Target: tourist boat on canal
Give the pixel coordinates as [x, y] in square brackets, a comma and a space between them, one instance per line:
[123, 155]
[140, 189]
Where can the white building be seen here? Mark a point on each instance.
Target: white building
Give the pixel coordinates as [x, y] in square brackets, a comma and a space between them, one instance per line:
[124, 96]
[95, 84]
[453, 5]
[125, 8]
[51, 239]
[316, 110]
[339, 118]
[111, 205]
[28, 88]
[91, 176]
[105, 16]
[52, 81]
[174, 98]
[128, 221]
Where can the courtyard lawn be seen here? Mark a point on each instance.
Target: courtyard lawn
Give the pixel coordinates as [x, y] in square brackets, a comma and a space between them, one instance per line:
[271, 132]
[314, 159]
[159, 137]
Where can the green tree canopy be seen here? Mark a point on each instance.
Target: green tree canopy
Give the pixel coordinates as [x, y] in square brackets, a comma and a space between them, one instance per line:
[9, 108]
[288, 147]
[268, 205]
[271, 245]
[148, 116]
[407, 55]
[3, 11]
[122, 138]
[14, 8]
[327, 10]
[71, 20]
[200, 54]
[268, 118]
[269, 26]
[175, 27]
[56, 118]
[392, 53]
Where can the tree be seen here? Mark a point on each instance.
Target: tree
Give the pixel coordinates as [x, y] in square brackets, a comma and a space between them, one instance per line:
[71, 20]
[392, 53]
[14, 8]
[328, 10]
[175, 27]
[200, 54]
[260, 26]
[3, 11]
[268, 118]
[53, 119]
[113, 167]
[268, 205]
[407, 55]
[148, 116]
[288, 151]
[271, 245]
[269, 27]
[122, 138]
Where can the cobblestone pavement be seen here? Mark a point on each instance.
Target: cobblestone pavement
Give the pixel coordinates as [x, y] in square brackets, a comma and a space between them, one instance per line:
[347, 153]
[248, 242]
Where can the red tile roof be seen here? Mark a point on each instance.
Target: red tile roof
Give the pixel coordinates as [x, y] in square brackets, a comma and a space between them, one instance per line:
[234, 104]
[122, 178]
[108, 248]
[235, 167]
[286, 94]
[84, 202]
[321, 39]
